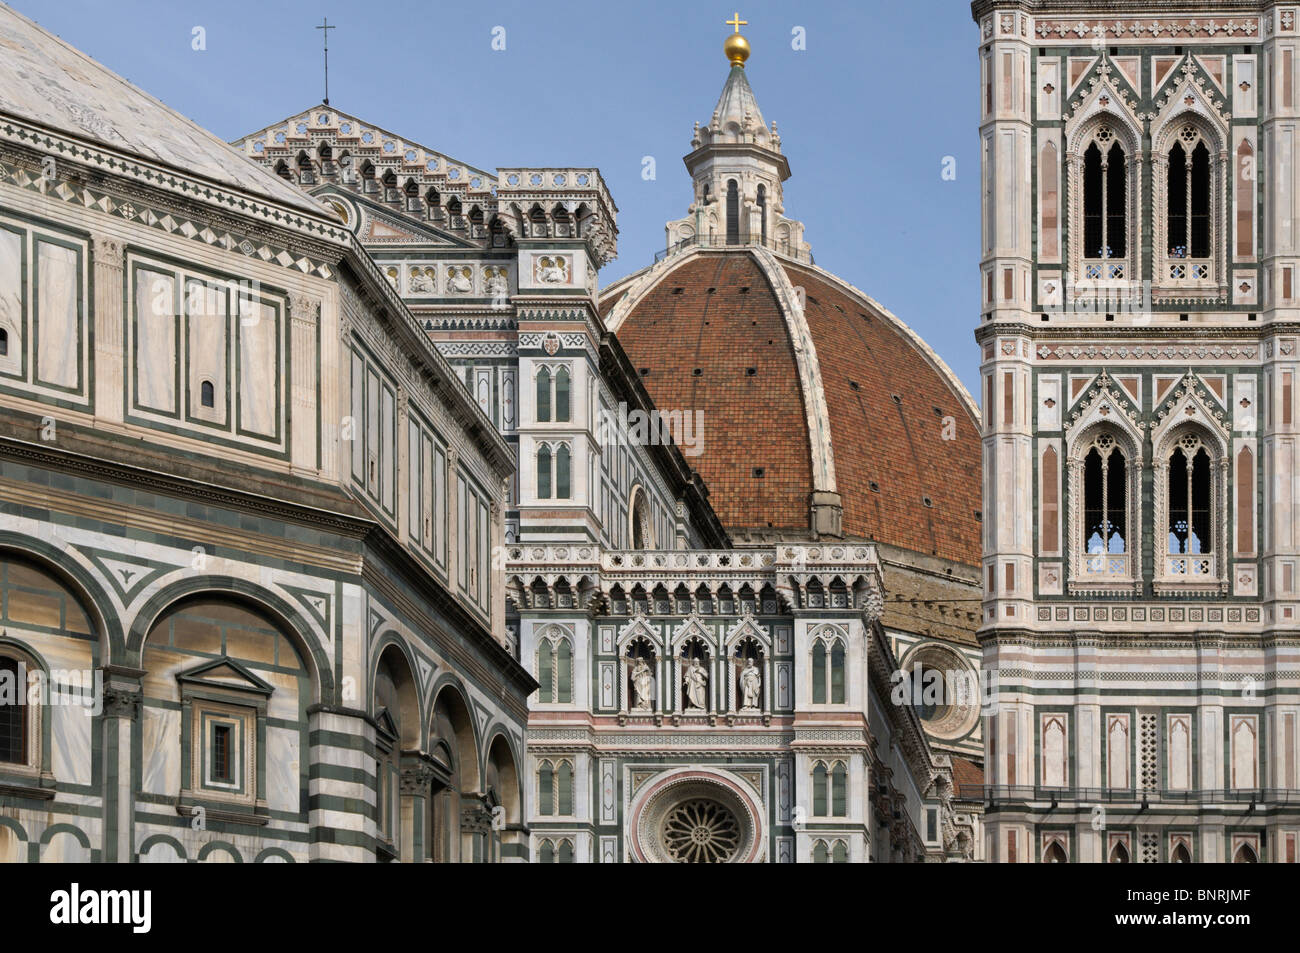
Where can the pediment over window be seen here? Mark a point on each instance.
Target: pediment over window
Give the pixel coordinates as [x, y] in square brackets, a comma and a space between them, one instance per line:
[1105, 402]
[747, 627]
[692, 627]
[226, 674]
[638, 627]
[385, 723]
[1191, 401]
[1100, 95]
[1188, 91]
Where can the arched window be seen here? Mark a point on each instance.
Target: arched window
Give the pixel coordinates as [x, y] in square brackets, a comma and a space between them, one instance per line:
[564, 673]
[733, 213]
[562, 394]
[282, 170]
[839, 790]
[544, 473]
[566, 851]
[642, 528]
[306, 176]
[564, 789]
[1188, 519]
[840, 853]
[819, 673]
[555, 788]
[546, 671]
[1119, 853]
[546, 852]
[1180, 854]
[820, 854]
[562, 488]
[1105, 206]
[4, 342]
[762, 212]
[546, 789]
[555, 671]
[207, 394]
[819, 789]
[1105, 488]
[543, 395]
[1055, 853]
[1245, 855]
[1187, 246]
[1102, 472]
[837, 673]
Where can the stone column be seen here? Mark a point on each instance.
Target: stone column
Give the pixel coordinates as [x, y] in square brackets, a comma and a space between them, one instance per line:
[121, 706]
[339, 796]
[108, 255]
[304, 321]
[416, 783]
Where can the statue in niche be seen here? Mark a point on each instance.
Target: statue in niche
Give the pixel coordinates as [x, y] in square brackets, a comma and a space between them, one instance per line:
[421, 282]
[751, 683]
[696, 683]
[459, 280]
[642, 686]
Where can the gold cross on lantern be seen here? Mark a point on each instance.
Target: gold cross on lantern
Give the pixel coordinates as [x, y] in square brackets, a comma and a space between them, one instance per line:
[737, 22]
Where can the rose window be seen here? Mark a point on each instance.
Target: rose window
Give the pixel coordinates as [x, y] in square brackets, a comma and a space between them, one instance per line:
[701, 832]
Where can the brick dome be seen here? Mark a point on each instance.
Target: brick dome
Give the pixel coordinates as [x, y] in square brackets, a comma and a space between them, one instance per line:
[831, 416]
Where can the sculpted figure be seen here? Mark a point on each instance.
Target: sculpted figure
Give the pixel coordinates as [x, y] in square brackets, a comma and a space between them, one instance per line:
[696, 683]
[642, 686]
[421, 283]
[750, 684]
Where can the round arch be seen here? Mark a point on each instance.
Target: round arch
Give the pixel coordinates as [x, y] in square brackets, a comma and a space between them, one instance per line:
[94, 599]
[279, 609]
[413, 715]
[450, 697]
[272, 854]
[213, 846]
[501, 754]
[154, 839]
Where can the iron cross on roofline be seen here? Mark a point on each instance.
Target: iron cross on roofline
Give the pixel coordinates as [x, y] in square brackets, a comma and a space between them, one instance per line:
[325, 27]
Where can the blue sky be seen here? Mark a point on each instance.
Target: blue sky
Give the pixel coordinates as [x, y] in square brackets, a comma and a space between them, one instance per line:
[867, 112]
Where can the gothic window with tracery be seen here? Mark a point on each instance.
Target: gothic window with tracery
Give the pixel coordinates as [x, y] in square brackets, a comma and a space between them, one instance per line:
[1105, 487]
[1104, 469]
[1187, 244]
[830, 789]
[555, 670]
[1105, 204]
[1189, 499]
[828, 671]
[1189, 196]
[555, 788]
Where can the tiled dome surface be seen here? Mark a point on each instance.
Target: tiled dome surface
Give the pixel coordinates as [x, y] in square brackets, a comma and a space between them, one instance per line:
[710, 336]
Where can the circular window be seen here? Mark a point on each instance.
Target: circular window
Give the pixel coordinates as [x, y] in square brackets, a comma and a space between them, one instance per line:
[701, 832]
[696, 816]
[945, 691]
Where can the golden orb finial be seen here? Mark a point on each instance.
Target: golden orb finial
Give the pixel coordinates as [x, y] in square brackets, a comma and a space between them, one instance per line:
[736, 47]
